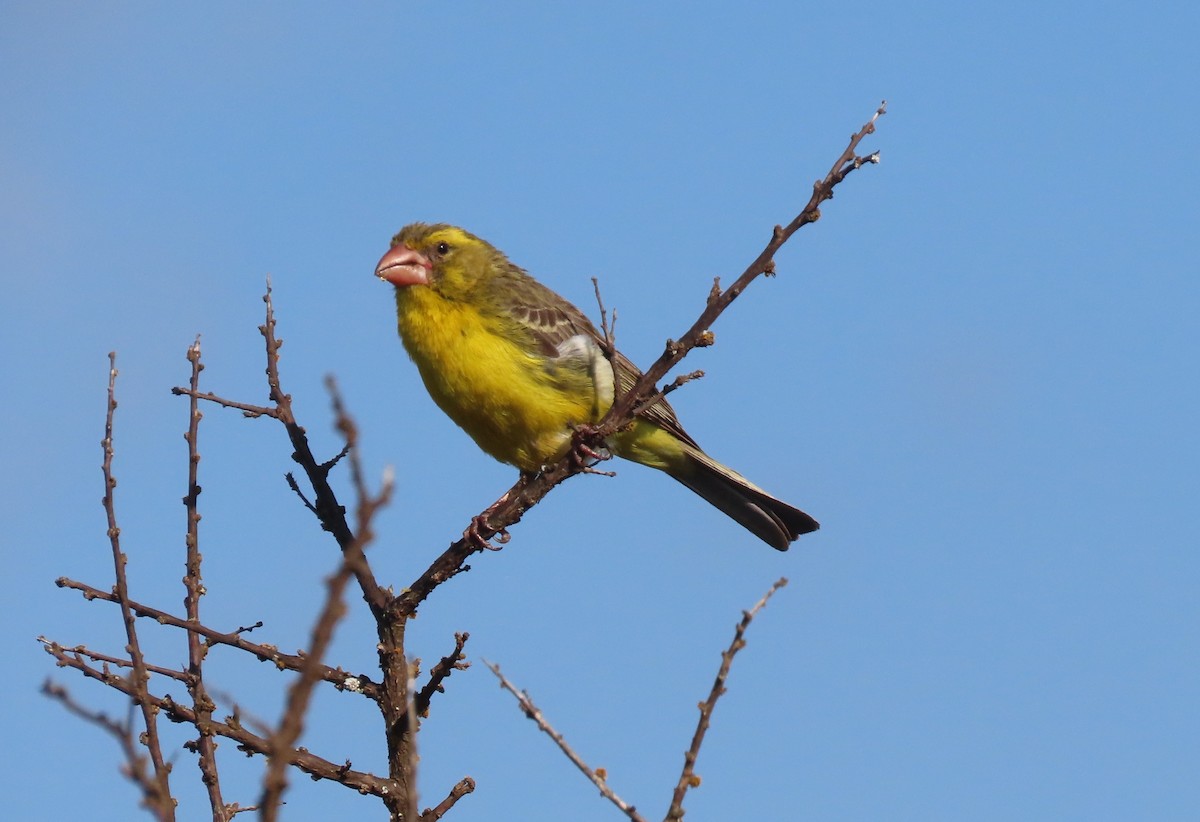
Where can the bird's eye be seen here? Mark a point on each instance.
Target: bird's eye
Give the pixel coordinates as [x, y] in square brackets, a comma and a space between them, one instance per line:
[442, 248]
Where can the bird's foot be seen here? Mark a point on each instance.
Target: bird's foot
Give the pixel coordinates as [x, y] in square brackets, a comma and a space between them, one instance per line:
[479, 523]
[584, 457]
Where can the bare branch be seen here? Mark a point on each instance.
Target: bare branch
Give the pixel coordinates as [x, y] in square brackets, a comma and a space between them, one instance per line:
[678, 382]
[330, 512]
[247, 741]
[354, 563]
[202, 703]
[465, 786]
[247, 410]
[609, 331]
[135, 763]
[55, 649]
[156, 792]
[446, 665]
[596, 776]
[700, 334]
[356, 683]
[688, 778]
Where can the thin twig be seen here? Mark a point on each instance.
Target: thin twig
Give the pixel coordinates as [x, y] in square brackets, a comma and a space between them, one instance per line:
[437, 676]
[533, 712]
[465, 786]
[699, 334]
[678, 382]
[202, 703]
[248, 410]
[688, 778]
[157, 793]
[295, 486]
[234, 809]
[609, 330]
[356, 683]
[107, 659]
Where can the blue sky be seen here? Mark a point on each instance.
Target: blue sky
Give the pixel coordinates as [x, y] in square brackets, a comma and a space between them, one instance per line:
[979, 371]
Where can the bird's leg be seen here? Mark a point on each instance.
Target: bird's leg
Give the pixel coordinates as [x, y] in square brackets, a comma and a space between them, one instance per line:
[480, 522]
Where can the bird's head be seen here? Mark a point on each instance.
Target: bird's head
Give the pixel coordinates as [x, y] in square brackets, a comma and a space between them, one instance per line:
[443, 257]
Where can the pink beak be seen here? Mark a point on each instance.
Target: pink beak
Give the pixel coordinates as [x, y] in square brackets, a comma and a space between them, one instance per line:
[403, 266]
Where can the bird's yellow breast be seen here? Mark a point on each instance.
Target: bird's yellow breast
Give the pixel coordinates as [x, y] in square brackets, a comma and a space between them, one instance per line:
[490, 382]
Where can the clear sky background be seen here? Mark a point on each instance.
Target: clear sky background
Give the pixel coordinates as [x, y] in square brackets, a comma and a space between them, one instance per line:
[978, 371]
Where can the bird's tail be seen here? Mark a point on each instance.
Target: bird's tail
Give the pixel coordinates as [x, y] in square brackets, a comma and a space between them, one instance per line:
[771, 520]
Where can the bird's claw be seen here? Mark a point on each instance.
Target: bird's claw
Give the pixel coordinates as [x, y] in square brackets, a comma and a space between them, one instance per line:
[587, 469]
[477, 539]
[583, 456]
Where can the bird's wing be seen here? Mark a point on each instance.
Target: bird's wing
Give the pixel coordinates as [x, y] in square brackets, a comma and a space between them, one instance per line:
[560, 330]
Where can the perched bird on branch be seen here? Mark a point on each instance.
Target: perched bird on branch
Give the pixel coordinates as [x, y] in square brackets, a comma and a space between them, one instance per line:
[516, 366]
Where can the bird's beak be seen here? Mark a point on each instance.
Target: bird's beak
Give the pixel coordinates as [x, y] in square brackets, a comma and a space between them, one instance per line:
[403, 266]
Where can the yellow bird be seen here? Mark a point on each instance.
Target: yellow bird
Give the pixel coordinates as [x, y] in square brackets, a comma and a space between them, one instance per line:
[515, 366]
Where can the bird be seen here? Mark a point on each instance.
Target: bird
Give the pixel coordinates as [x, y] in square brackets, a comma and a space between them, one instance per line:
[519, 368]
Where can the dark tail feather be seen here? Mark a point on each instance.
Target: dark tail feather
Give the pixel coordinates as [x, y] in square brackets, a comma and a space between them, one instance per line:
[771, 520]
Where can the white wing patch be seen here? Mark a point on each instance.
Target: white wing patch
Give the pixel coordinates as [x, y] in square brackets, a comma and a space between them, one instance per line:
[583, 348]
